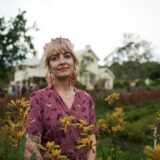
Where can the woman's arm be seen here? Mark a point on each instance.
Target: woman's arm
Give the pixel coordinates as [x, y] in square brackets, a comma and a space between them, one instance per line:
[90, 154]
[31, 148]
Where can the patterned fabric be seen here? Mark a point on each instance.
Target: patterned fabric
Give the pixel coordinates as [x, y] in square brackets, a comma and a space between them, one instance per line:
[47, 107]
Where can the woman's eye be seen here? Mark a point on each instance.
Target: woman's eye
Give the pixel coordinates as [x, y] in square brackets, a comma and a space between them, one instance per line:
[53, 58]
[67, 56]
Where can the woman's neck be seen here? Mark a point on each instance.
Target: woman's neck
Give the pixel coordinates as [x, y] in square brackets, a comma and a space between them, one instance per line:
[62, 86]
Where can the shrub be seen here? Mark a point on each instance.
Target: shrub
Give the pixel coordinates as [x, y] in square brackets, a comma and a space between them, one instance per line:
[140, 83]
[154, 83]
[136, 136]
[80, 85]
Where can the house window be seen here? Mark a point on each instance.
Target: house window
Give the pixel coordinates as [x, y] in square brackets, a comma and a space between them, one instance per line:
[20, 67]
[87, 78]
[89, 60]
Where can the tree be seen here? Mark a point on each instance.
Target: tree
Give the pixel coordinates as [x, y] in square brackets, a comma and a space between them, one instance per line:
[15, 43]
[126, 60]
[155, 73]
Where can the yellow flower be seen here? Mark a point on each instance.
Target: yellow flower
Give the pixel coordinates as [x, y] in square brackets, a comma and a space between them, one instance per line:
[65, 122]
[121, 122]
[151, 153]
[113, 116]
[120, 152]
[114, 129]
[109, 100]
[87, 130]
[56, 154]
[112, 149]
[152, 126]
[20, 134]
[51, 145]
[112, 98]
[86, 143]
[16, 119]
[82, 123]
[101, 125]
[109, 158]
[119, 111]
[52, 151]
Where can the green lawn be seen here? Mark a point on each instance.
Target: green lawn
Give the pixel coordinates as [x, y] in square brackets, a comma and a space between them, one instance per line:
[137, 133]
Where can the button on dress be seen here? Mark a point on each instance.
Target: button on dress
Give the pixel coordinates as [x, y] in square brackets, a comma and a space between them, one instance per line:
[47, 108]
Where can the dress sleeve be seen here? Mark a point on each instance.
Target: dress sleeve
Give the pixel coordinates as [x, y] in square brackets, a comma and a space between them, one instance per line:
[92, 117]
[34, 126]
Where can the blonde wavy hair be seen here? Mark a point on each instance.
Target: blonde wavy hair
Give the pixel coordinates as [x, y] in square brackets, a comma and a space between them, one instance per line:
[59, 45]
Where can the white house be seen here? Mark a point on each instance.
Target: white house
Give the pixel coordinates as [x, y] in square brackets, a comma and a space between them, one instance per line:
[93, 71]
[33, 68]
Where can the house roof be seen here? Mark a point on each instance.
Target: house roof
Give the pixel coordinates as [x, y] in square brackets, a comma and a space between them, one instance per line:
[34, 72]
[86, 49]
[30, 62]
[106, 70]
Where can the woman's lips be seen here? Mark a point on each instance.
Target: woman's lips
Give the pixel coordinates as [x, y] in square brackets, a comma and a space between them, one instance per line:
[63, 69]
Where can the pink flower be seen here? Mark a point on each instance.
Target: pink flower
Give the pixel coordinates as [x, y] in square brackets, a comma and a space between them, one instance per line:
[45, 47]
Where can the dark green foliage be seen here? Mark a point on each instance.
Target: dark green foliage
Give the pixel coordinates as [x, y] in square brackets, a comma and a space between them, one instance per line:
[154, 83]
[129, 151]
[80, 85]
[117, 85]
[138, 117]
[140, 83]
[43, 84]
[126, 61]
[122, 84]
[155, 73]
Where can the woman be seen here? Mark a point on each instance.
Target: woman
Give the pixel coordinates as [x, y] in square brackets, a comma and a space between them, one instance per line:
[59, 99]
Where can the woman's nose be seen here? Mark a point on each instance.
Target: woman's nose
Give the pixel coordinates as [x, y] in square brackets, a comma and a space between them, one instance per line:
[61, 59]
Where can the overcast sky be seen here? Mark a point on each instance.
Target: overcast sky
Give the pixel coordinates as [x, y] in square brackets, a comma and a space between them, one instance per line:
[99, 23]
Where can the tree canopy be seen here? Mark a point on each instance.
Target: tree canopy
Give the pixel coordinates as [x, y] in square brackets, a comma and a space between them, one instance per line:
[132, 49]
[126, 61]
[15, 43]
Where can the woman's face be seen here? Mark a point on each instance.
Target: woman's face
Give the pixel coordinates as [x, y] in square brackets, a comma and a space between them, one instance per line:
[61, 64]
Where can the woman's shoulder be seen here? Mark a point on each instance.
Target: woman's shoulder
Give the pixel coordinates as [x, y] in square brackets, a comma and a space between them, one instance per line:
[83, 93]
[39, 92]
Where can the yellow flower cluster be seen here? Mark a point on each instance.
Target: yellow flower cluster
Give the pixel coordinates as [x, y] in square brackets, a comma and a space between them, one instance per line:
[152, 126]
[65, 122]
[119, 150]
[114, 122]
[86, 144]
[102, 125]
[151, 153]
[109, 158]
[86, 130]
[17, 118]
[112, 125]
[53, 151]
[112, 98]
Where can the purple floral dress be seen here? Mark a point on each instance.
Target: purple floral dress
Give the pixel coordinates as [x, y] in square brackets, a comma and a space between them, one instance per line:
[47, 107]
